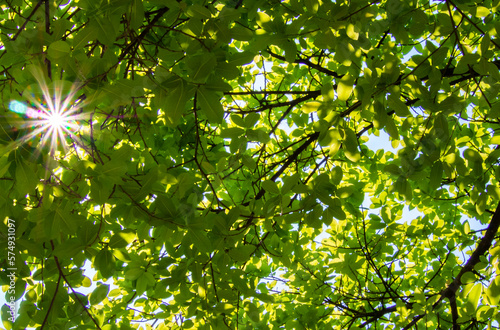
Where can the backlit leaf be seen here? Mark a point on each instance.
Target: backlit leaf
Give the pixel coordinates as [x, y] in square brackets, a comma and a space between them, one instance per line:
[345, 87]
[105, 263]
[99, 294]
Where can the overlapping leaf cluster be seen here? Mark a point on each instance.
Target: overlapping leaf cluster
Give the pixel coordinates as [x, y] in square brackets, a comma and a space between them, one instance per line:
[223, 137]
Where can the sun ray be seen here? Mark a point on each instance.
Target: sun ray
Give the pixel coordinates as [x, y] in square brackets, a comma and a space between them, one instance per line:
[51, 112]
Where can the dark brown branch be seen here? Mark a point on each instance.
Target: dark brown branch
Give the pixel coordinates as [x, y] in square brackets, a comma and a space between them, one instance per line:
[61, 274]
[51, 303]
[143, 34]
[309, 64]
[28, 19]
[313, 137]
[454, 313]
[472, 23]
[292, 104]
[450, 291]
[482, 248]
[309, 95]
[272, 92]
[47, 30]
[359, 10]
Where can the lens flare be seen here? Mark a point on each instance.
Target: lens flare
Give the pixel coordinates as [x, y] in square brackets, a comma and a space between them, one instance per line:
[56, 120]
[53, 112]
[18, 107]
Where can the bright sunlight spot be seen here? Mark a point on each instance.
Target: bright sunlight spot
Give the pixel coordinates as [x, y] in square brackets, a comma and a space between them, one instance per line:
[51, 111]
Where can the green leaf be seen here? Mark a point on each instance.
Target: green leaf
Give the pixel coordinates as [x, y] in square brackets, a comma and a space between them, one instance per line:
[482, 11]
[200, 240]
[65, 221]
[242, 58]
[122, 256]
[241, 33]
[134, 273]
[249, 162]
[198, 11]
[474, 295]
[435, 176]
[468, 278]
[310, 106]
[115, 167]
[352, 31]
[345, 87]
[106, 29]
[481, 203]
[252, 310]
[167, 207]
[122, 239]
[69, 248]
[270, 186]
[335, 208]
[136, 14]
[201, 66]
[87, 233]
[223, 308]
[99, 294]
[493, 291]
[290, 50]
[83, 37]
[149, 180]
[6, 317]
[312, 5]
[258, 135]
[251, 119]
[242, 253]
[392, 129]
[289, 182]
[141, 284]
[336, 175]
[175, 104]
[105, 262]
[58, 49]
[351, 145]
[337, 212]
[264, 20]
[381, 116]
[495, 139]
[232, 132]
[210, 105]
[26, 178]
[100, 191]
[331, 137]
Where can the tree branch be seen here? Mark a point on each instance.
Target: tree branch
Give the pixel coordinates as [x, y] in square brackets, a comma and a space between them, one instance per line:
[309, 64]
[28, 19]
[483, 247]
[51, 303]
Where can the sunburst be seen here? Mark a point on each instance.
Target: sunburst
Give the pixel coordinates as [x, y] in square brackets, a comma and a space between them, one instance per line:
[54, 113]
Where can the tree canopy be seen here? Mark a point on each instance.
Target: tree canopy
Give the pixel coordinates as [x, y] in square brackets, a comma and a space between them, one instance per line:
[212, 164]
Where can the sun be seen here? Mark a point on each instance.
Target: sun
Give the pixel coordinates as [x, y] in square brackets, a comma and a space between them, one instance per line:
[56, 120]
[52, 111]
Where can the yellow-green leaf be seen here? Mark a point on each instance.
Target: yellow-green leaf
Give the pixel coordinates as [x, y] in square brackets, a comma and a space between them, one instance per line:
[345, 87]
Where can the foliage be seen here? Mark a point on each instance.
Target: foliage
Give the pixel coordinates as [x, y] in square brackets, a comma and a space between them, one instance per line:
[219, 139]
